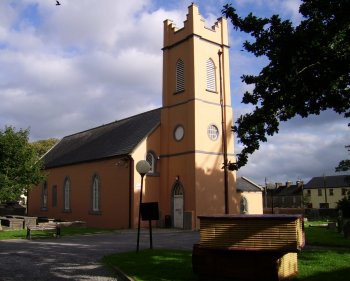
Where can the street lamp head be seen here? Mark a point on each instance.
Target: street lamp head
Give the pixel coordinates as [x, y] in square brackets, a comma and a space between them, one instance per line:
[143, 167]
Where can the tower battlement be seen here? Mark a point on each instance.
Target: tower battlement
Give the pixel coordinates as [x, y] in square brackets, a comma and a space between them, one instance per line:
[194, 25]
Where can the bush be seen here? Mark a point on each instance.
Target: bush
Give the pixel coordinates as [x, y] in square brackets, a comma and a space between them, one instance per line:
[344, 206]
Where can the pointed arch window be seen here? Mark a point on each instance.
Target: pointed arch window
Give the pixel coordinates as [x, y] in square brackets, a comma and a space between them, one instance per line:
[66, 195]
[180, 76]
[178, 189]
[95, 194]
[152, 160]
[244, 205]
[211, 79]
[44, 196]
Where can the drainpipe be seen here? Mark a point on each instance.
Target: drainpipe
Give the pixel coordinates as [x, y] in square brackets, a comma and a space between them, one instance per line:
[224, 140]
[131, 185]
[325, 189]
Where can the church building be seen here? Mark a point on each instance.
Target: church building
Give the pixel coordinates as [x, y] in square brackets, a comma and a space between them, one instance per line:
[91, 175]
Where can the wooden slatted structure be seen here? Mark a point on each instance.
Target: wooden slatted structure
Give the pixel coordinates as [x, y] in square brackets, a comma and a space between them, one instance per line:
[249, 247]
[256, 232]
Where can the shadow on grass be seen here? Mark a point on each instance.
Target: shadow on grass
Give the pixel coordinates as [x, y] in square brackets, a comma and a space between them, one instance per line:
[154, 265]
[170, 265]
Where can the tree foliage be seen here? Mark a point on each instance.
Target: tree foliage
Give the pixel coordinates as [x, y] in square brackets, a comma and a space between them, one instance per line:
[308, 69]
[344, 206]
[43, 146]
[20, 167]
[344, 165]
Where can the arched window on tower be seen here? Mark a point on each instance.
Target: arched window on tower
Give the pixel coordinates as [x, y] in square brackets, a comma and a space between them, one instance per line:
[180, 76]
[211, 80]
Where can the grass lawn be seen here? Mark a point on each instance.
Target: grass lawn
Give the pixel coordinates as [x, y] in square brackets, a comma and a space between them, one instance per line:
[171, 265]
[21, 234]
[325, 237]
[154, 265]
[324, 266]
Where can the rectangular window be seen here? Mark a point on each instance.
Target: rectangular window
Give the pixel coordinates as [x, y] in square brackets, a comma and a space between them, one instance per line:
[54, 196]
[331, 192]
[308, 192]
[319, 192]
[343, 191]
[324, 205]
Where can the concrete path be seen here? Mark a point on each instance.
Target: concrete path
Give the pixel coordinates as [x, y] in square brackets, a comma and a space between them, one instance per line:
[78, 257]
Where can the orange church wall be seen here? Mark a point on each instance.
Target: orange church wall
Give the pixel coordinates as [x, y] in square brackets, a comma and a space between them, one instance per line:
[151, 184]
[114, 195]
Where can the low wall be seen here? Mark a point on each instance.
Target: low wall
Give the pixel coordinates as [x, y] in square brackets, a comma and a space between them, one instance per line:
[286, 211]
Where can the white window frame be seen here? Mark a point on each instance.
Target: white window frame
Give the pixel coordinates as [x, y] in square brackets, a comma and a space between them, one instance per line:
[210, 76]
[151, 159]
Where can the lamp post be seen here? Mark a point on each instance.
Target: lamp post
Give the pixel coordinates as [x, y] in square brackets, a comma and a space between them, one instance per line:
[142, 167]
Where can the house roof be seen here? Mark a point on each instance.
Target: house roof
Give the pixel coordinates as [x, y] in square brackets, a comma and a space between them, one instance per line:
[329, 181]
[244, 184]
[289, 190]
[113, 139]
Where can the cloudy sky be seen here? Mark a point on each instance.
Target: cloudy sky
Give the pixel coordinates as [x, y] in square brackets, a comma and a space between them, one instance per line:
[64, 69]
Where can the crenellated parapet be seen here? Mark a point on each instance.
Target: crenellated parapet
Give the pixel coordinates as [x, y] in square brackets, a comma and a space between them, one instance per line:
[194, 25]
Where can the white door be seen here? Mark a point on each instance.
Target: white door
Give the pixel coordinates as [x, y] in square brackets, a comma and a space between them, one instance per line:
[178, 211]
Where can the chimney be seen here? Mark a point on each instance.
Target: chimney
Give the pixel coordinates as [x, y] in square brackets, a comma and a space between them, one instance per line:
[289, 183]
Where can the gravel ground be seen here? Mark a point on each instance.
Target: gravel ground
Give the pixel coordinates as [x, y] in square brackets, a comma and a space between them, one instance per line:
[78, 257]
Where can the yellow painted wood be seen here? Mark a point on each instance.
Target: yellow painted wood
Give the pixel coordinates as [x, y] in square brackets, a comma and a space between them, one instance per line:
[270, 233]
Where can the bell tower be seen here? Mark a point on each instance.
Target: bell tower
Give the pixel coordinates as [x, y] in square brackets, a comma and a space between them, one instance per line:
[196, 121]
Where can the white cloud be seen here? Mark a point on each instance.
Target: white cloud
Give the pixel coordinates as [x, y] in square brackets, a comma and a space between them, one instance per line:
[88, 62]
[301, 151]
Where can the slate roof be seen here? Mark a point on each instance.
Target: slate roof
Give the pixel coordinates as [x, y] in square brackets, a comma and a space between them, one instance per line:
[244, 184]
[113, 139]
[290, 190]
[329, 181]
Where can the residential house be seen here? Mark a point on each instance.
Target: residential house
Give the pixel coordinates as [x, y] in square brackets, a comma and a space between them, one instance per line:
[289, 195]
[325, 191]
[250, 196]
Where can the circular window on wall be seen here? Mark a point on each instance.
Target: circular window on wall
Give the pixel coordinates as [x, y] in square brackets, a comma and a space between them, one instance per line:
[179, 133]
[213, 132]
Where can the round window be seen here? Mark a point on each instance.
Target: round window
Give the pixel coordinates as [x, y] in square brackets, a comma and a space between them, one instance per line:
[179, 133]
[213, 132]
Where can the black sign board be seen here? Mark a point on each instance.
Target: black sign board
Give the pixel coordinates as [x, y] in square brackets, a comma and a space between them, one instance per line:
[149, 211]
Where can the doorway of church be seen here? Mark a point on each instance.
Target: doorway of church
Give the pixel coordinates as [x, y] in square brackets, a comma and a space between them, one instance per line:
[178, 205]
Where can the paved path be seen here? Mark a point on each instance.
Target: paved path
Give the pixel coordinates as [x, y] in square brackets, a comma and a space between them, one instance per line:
[78, 257]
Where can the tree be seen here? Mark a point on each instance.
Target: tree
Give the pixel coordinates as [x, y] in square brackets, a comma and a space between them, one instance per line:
[344, 206]
[20, 167]
[42, 146]
[308, 69]
[344, 165]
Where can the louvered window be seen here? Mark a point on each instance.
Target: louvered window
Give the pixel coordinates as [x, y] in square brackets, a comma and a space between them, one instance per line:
[180, 76]
[211, 81]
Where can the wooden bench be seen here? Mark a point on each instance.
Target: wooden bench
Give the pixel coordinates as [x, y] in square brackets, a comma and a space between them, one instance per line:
[44, 227]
